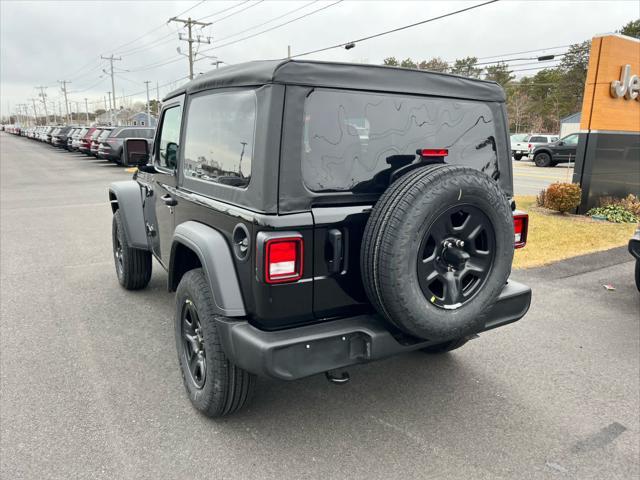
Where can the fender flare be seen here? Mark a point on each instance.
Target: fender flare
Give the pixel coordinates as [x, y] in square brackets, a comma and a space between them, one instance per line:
[542, 150]
[126, 196]
[215, 256]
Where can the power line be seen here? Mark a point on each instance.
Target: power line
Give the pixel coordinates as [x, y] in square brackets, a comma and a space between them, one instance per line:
[432, 19]
[268, 21]
[275, 27]
[117, 49]
[225, 10]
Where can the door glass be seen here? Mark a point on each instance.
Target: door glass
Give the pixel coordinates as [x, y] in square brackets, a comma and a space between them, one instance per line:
[570, 140]
[169, 138]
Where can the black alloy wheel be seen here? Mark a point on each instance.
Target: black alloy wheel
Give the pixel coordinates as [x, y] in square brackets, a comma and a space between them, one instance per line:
[542, 160]
[193, 344]
[117, 253]
[456, 256]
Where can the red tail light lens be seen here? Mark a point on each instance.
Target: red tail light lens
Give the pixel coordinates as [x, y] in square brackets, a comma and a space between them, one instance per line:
[529, 146]
[520, 228]
[283, 260]
[434, 152]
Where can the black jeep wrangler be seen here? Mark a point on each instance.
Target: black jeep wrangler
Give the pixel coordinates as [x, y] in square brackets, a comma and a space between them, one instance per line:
[314, 215]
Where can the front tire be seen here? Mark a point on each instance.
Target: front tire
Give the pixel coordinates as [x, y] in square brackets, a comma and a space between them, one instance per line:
[638, 275]
[133, 266]
[216, 387]
[542, 160]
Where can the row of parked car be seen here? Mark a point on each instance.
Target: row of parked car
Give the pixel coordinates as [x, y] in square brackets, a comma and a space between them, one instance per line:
[98, 141]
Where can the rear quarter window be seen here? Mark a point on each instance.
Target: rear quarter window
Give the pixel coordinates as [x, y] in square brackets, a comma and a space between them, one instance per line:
[352, 141]
[219, 138]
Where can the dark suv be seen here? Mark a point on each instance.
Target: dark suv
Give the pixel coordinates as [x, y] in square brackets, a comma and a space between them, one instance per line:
[110, 147]
[551, 154]
[313, 216]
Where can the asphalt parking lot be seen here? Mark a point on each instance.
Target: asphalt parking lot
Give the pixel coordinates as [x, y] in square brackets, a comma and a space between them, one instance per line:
[91, 388]
[529, 179]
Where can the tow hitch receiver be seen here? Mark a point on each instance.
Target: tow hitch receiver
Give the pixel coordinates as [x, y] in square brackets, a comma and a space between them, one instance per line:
[337, 376]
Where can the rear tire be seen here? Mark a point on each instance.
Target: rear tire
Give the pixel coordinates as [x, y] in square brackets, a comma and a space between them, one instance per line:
[215, 386]
[638, 274]
[517, 156]
[133, 266]
[542, 159]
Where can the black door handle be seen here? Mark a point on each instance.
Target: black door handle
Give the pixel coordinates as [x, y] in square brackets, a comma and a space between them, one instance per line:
[169, 201]
[335, 239]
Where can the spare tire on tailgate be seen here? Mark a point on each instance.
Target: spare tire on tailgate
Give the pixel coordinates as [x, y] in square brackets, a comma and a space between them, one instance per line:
[437, 251]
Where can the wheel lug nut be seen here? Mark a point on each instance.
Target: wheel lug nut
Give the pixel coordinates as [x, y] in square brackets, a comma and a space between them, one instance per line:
[459, 243]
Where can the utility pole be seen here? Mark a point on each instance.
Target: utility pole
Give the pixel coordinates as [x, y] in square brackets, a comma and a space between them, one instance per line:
[64, 90]
[43, 97]
[190, 23]
[113, 84]
[35, 111]
[86, 108]
[147, 82]
[110, 109]
[157, 100]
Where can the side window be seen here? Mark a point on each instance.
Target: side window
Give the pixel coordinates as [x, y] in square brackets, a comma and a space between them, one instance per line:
[169, 138]
[219, 136]
[570, 140]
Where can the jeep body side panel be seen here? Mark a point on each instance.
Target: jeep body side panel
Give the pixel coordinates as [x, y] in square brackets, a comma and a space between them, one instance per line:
[216, 258]
[268, 307]
[128, 197]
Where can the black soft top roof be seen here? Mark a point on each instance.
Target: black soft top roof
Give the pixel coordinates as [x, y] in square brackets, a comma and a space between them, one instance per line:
[377, 78]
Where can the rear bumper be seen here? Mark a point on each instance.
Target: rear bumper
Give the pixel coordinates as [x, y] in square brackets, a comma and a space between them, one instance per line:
[303, 351]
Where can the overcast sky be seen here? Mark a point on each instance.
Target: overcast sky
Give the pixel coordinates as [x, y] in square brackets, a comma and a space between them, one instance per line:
[46, 41]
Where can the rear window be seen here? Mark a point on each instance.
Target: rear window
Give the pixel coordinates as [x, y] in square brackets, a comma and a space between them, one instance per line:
[538, 139]
[83, 132]
[353, 141]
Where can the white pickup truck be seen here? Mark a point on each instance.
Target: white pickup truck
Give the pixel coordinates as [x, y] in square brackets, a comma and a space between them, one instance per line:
[523, 144]
[519, 145]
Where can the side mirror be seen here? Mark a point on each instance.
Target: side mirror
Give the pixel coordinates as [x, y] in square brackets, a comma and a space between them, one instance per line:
[136, 152]
[560, 143]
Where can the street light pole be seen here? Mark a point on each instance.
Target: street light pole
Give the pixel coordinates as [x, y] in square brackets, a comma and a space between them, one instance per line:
[147, 82]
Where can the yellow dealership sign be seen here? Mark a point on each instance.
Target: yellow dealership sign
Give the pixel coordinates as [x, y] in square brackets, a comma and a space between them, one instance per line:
[612, 80]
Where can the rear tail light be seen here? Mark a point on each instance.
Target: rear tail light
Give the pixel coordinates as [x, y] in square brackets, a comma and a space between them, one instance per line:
[520, 228]
[529, 146]
[433, 152]
[283, 258]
